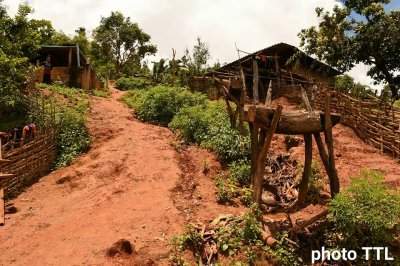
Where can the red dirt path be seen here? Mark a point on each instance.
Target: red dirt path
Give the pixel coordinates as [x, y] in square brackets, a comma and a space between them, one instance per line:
[125, 188]
[122, 188]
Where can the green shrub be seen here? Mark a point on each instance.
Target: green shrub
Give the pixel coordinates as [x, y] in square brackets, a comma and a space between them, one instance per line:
[195, 119]
[191, 123]
[73, 137]
[138, 83]
[226, 191]
[71, 108]
[315, 185]
[367, 212]
[240, 172]
[247, 196]
[105, 93]
[160, 104]
[227, 143]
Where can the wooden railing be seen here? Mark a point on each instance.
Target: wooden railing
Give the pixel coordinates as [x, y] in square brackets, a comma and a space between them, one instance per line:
[373, 120]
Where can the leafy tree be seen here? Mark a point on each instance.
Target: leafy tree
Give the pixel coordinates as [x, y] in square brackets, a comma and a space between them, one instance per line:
[197, 62]
[346, 83]
[82, 40]
[343, 82]
[159, 68]
[121, 42]
[19, 41]
[60, 38]
[359, 32]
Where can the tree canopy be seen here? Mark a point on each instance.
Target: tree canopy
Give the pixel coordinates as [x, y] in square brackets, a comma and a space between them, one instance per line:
[360, 31]
[120, 41]
[197, 61]
[19, 41]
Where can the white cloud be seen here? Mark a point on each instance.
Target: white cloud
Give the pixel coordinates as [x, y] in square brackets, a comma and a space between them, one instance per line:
[177, 23]
[359, 75]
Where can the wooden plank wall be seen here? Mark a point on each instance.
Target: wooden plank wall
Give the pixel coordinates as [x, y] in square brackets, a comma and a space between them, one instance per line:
[376, 122]
[28, 163]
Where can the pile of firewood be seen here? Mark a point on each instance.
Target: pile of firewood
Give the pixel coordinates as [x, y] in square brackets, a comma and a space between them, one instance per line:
[207, 244]
[282, 176]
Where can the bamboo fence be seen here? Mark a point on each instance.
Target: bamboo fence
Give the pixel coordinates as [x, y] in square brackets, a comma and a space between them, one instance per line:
[31, 158]
[375, 121]
[27, 162]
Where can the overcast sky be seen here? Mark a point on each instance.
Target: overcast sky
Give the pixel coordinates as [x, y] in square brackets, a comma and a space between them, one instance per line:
[253, 25]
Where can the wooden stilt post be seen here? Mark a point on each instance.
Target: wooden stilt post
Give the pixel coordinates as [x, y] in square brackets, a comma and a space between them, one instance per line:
[303, 186]
[242, 102]
[255, 82]
[322, 152]
[262, 90]
[278, 70]
[334, 180]
[269, 95]
[259, 176]
[254, 133]
[1, 206]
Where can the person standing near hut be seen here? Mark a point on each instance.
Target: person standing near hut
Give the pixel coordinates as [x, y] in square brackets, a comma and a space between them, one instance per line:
[47, 70]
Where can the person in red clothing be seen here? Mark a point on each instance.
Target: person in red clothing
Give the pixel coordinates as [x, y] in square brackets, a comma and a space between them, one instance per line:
[47, 70]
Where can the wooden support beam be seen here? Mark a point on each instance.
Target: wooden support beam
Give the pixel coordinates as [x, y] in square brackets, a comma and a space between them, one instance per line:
[254, 143]
[70, 57]
[278, 70]
[232, 117]
[303, 224]
[268, 99]
[256, 99]
[2, 206]
[6, 175]
[261, 90]
[303, 186]
[292, 81]
[291, 122]
[241, 104]
[322, 152]
[334, 180]
[259, 176]
[305, 100]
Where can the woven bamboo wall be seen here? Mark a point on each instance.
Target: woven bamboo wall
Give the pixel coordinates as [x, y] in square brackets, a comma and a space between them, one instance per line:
[374, 121]
[28, 163]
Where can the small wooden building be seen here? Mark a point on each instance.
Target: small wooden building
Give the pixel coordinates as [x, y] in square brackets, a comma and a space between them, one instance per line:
[283, 64]
[69, 65]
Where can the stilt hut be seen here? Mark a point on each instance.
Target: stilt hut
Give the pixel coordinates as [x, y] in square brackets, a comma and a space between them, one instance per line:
[253, 81]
